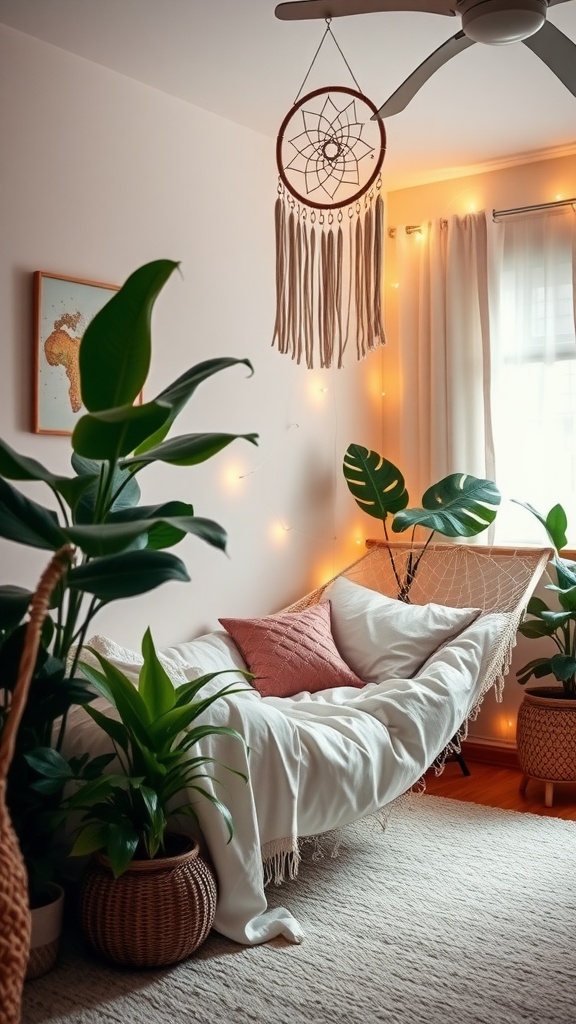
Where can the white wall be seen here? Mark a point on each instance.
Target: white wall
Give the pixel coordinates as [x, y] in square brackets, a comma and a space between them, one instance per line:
[99, 174]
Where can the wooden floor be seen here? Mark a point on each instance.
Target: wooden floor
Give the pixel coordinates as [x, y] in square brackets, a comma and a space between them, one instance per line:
[496, 786]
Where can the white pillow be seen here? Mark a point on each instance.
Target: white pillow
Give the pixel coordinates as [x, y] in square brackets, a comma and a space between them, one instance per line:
[212, 652]
[128, 661]
[382, 638]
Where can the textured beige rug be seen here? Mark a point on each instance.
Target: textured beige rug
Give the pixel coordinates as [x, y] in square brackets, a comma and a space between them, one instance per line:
[456, 914]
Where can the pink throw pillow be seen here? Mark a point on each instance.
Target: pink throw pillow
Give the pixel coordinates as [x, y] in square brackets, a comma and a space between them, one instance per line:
[291, 653]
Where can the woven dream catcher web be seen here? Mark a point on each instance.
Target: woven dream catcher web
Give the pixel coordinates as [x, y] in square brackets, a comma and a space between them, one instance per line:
[329, 218]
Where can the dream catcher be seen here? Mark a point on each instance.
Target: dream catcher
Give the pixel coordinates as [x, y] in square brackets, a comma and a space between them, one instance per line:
[329, 218]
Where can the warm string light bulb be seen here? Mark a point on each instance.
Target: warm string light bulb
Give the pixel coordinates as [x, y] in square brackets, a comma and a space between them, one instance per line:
[232, 476]
[279, 531]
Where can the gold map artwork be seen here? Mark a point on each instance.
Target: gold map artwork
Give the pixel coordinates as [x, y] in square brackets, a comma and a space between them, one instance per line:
[62, 348]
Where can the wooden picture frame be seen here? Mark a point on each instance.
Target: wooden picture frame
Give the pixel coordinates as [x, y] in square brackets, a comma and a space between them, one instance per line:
[63, 308]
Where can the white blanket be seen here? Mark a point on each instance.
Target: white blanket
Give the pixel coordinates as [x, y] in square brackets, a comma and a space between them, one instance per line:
[317, 762]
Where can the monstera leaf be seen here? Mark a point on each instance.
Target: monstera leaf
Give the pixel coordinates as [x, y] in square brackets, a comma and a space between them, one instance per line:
[376, 484]
[457, 506]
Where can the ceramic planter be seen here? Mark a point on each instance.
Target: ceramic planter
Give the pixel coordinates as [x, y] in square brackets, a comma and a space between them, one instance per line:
[46, 926]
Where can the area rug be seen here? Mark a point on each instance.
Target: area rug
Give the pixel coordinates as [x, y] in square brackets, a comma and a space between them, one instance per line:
[453, 913]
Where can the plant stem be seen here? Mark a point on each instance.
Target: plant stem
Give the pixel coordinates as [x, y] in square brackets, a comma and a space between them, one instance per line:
[80, 634]
[393, 563]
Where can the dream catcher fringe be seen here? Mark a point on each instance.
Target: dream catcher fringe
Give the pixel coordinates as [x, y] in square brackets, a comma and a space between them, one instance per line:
[329, 226]
[328, 280]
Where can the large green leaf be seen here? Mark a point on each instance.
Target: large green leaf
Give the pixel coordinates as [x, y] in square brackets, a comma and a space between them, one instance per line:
[127, 575]
[457, 506]
[14, 603]
[567, 600]
[110, 538]
[133, 712]
[113, 433]
[539, 668]
[565, 573]
[122, 844]
[154, 685]
[27, 522]
[14, 466]
[563, 667]
[163, 535]
[115, 730]
[177, 394]
[115, 350]
[188, 449]
[534, 628]
[123, 485]
[376, 484]
[554, 523]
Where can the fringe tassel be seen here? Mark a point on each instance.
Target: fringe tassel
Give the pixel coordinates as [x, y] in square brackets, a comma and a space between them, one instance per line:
[378, 269]
[359, 292]
[280, 232]
[328, 281]
[281, 860]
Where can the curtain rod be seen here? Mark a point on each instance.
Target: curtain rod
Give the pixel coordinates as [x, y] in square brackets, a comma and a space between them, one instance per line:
[530, 209]
[411, 229]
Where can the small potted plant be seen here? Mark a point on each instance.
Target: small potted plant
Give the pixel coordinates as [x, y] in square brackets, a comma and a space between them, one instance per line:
[546, 731]
[457, 506]
[117, 545]
[148, 898]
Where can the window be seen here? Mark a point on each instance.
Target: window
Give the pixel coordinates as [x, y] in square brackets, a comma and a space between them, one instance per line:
[533, 352]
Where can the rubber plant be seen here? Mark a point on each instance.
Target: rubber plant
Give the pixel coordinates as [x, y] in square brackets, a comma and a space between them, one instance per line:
[559, 623]
[119, 545]
[459, 505]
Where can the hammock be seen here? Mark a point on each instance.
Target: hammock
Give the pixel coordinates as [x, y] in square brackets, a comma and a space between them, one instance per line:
[494, 579]
[316, 764]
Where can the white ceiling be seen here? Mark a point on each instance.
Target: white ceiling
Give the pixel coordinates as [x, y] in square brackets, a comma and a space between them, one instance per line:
[235, 58]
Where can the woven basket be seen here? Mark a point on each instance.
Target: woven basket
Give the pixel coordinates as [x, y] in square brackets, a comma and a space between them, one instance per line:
[546, 735]
[157, 913]
[14, 919]
[14, 910]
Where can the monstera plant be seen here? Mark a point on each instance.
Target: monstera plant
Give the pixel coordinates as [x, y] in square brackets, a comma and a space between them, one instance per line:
[457, 506]
[118, 545]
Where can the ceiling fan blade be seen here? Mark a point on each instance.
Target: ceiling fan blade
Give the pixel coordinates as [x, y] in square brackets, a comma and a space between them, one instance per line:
[405, 92]
[298, 10]
[557, 51]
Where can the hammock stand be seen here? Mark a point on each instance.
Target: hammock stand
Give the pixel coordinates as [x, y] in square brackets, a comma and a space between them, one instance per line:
[494, 579]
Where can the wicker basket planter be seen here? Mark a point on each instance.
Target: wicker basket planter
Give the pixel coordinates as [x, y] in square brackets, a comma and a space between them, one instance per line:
[546, 738]
[157, 913]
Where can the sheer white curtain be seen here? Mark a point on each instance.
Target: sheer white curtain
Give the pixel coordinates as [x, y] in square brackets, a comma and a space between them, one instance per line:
[444, 351]
[532, 317]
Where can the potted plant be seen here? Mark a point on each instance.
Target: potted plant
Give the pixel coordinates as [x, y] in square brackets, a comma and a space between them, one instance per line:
[459, 505]
[149, 899]
[118, 545]
[546, 730]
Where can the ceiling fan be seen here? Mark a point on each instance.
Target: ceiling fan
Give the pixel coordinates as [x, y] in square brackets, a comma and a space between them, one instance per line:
[495, 22]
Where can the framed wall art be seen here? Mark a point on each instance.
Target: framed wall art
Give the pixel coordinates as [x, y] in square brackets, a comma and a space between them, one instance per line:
[63, 308]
